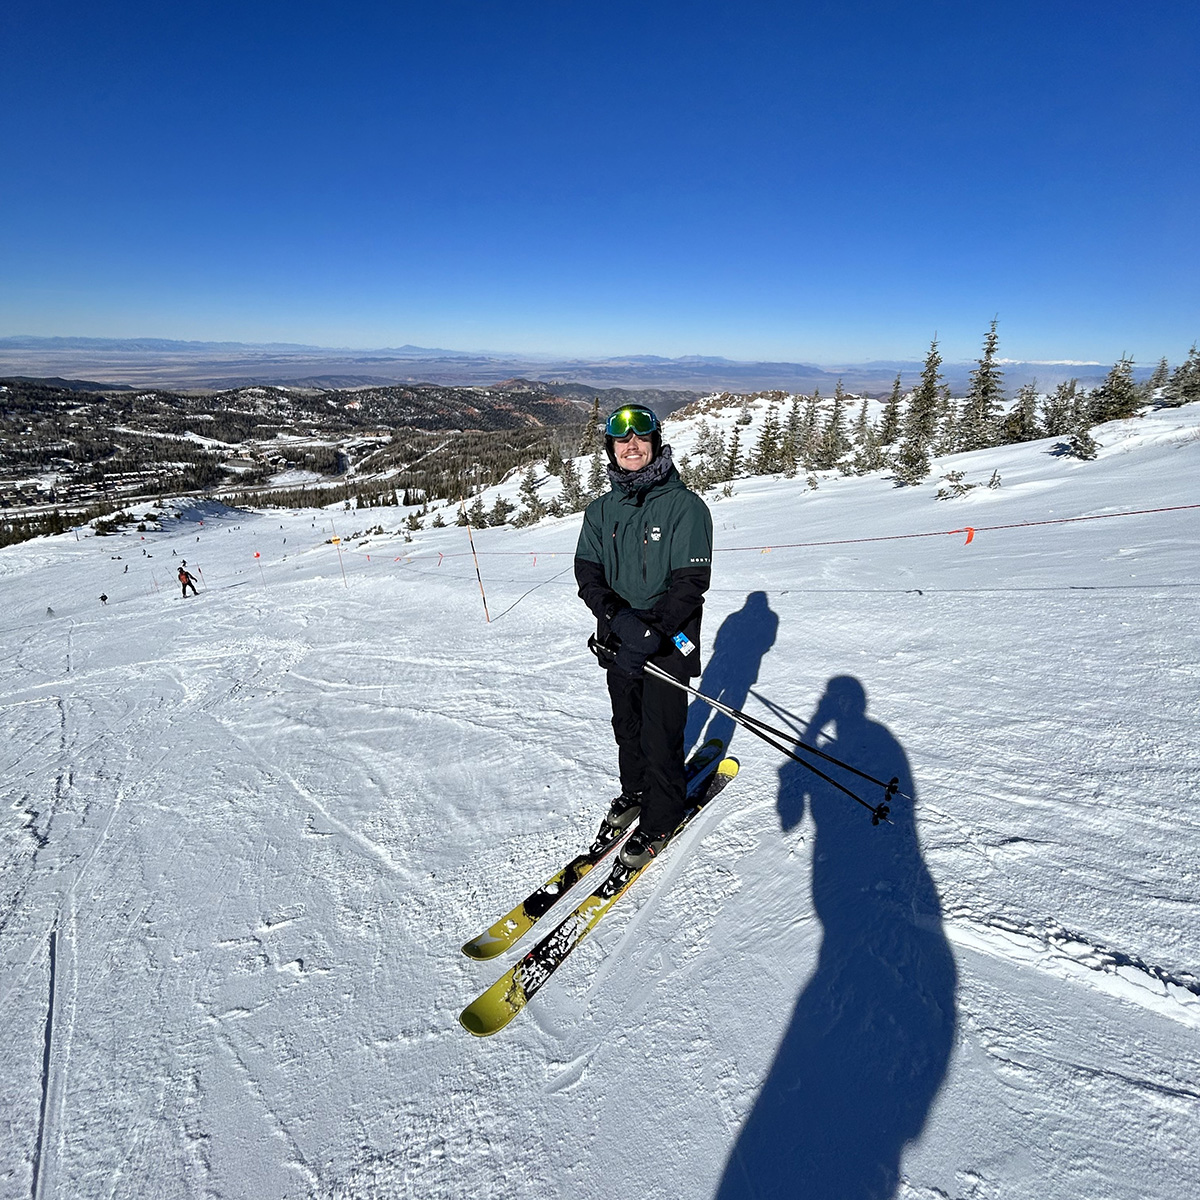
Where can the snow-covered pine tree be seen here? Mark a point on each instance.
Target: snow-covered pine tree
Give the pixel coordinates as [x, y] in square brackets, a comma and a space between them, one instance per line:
[501, 511]
[1153, 388]
[591, 441]
[889, 422]
[945, 440]
[1184, 384]
[981, 409]
[733, 460]
[810, 434]
[1020, 425]
[1116, 398]
[1060, 410]
[920, 421]
[597, 479]
[476, 516]
[862, 425]
[767, 457]
[790, 447]
[1082, 445]
[834, 443]
[868, 454]
[573, 499]
[534, 508]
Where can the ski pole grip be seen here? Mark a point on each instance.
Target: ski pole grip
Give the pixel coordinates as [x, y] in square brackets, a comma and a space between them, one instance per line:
[603, 650]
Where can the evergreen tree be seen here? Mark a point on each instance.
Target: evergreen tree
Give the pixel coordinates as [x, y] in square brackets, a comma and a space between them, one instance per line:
[946, 439]
[1020, 425]
[810, 434]
[710, 455]
[1154, 387]
[554, 464]
[862, 425]
[501, 511]
[1116, 398]
[767, 456]
[889, 423]
[1082, 444]
[534, 508]
[834, 442]
[597, 480]
[573, 499]
[1081, 407]
[1060, 411]
[790, 448]
[593, 439]
[868, 454]
[733, 460]
[920, 421]
[985, 395]
[1184, 384]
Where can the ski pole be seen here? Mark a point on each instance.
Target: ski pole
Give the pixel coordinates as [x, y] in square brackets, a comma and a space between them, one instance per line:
[892, 787]
[879, 812]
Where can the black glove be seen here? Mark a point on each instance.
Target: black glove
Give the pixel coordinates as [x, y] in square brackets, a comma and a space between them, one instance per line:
[638, 641]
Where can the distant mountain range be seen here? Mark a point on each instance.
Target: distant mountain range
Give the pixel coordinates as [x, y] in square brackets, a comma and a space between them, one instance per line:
[161, 362]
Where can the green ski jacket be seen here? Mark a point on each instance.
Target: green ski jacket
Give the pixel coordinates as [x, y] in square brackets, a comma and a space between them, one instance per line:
[650, 551]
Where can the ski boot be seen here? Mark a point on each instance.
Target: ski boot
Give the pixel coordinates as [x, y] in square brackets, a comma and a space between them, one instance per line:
[641, 848]
[621, 814]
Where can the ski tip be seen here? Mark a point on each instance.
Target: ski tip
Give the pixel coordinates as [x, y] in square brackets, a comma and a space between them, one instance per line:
[728, 767]
[486, 1015]
[474, 950]
[473, 1024]
[492, 942]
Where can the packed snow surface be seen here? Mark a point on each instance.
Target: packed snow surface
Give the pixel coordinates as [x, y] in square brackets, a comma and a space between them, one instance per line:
[244, 835]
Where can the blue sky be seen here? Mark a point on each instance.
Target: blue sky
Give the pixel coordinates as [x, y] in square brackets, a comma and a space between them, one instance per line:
[825, 182]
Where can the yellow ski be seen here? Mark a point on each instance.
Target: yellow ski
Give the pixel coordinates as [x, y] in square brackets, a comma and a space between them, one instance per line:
[515, 924]
[495, 1008]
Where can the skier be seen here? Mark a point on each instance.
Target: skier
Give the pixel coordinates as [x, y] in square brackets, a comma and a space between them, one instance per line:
[188, 580]
[643, 564]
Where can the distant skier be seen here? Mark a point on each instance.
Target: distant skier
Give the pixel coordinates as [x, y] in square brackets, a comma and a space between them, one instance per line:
[643, 564]
[188, 580]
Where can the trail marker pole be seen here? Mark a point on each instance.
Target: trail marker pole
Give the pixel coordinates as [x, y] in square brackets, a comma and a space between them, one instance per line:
[337, 541]
[478, 576]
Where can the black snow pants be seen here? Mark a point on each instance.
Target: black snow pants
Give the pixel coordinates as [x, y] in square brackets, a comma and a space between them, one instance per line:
[649, 718]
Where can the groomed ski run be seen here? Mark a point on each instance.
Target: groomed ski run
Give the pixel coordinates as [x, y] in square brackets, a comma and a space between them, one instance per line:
[255, 827]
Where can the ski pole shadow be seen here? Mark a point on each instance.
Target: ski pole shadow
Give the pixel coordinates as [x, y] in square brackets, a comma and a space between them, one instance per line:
[740, 646]
[869, 1042]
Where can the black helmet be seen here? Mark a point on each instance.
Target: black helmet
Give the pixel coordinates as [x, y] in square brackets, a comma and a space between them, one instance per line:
[632, 418]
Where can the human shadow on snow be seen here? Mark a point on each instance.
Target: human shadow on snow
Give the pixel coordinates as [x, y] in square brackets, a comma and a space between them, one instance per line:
[738, 650]
[868, 1044]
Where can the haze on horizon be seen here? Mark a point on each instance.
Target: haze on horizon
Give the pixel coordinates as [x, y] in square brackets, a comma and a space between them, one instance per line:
[788, 182]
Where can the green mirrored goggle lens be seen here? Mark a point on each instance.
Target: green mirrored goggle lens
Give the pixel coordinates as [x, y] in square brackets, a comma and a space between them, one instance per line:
[631, 420]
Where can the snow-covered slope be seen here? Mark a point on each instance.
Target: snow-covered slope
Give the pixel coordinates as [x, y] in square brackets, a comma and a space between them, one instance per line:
[245, 834]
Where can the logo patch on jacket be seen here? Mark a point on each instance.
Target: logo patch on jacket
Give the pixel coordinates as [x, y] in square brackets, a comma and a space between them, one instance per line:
[656, 534]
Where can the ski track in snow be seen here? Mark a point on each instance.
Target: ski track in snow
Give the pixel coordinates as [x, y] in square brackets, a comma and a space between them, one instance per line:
[250, 831]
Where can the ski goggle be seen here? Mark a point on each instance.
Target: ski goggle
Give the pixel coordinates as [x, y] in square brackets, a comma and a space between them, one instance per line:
[631, 420]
